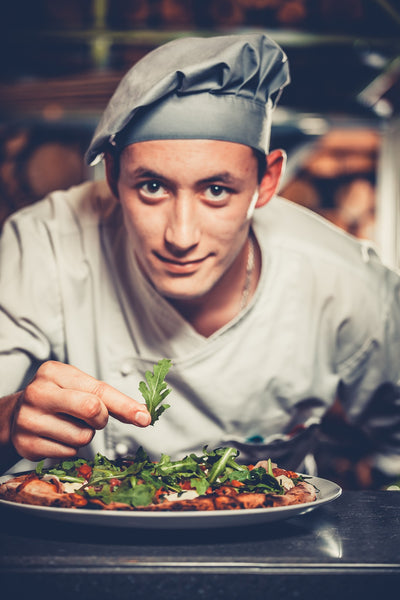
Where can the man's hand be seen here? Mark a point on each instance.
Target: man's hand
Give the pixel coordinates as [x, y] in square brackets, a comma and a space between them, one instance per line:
[60, 410]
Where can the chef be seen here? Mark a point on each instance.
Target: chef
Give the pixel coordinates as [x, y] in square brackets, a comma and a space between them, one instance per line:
[268, 313]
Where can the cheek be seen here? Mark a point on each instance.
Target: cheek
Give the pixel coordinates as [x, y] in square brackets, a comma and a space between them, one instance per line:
[226, 226]
[142, 225]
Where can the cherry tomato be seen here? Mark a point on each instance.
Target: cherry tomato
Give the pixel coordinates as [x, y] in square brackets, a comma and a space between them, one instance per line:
[85, 471]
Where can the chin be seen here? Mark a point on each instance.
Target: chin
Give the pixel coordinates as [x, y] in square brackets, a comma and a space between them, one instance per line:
[181, 296]
[183, 293]
[182, 288]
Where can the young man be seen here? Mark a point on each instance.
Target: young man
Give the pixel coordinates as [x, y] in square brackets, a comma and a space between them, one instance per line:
[267, 312]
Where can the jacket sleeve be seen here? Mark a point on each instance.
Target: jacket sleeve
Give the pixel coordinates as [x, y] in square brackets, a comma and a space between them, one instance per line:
[30, 316]
[370, 378]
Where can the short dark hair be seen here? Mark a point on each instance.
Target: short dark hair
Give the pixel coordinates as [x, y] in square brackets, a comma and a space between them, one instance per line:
[262, 164]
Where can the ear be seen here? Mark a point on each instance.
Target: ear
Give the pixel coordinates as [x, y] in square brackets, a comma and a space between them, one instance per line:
[276, 162]
[111, 170]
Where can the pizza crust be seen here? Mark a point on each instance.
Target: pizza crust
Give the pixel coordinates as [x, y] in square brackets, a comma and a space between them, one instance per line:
[30, 489]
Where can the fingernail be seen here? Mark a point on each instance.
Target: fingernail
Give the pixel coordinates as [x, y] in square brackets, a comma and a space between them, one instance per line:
[143, 418]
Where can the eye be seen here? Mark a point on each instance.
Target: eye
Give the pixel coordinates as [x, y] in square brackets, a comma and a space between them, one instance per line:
[152, 190]
[217, 193]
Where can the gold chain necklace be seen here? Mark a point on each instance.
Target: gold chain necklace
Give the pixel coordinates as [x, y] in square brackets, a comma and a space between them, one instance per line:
[249, 273]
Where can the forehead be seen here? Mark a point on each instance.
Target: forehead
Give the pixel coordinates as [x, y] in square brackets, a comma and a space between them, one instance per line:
[200, 157]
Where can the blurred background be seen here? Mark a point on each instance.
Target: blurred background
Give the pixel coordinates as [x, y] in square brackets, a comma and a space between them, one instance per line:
[60, 61]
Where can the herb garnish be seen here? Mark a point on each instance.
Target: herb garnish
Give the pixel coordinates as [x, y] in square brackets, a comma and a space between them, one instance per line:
[156, 389]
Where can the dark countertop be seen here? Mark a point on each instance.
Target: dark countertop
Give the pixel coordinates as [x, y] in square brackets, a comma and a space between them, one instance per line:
[349, 548]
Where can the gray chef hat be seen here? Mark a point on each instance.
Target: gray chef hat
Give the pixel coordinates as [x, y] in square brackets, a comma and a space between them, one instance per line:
[220, 88]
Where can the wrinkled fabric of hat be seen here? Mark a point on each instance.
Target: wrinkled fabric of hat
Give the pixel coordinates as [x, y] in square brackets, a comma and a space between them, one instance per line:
[221, 88]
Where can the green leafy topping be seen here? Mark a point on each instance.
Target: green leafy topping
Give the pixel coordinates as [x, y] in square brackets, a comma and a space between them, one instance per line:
[220, 465]
[200, 484]
[156, 390]
[257, 480]
[39, 467]
[138, 481]
[127, 492]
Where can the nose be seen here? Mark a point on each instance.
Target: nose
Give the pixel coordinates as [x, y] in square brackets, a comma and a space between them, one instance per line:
[183, 228]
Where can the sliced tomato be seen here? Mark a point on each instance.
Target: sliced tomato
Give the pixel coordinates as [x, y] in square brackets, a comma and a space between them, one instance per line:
[236, 483]
[291, 474]
[185, 485]
[85, 471]
[114, 483]
[160, 492]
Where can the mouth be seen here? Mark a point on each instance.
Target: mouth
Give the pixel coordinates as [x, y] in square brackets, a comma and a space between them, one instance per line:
[181, 266]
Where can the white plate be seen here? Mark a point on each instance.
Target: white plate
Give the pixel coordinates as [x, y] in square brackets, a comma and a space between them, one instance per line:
[328, 491]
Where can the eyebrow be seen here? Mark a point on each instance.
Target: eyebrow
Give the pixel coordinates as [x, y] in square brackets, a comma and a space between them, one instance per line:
[224, 176]
[146, 173]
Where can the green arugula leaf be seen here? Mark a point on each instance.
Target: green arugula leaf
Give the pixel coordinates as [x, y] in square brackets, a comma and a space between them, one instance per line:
[39, 467]
[200, 484]
[184, 467]
[218, 468]
[141, 495]
[156, 390]
[257, 480]
[137, 495]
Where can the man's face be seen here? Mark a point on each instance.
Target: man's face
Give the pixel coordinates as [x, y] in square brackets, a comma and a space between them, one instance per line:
[185, 206]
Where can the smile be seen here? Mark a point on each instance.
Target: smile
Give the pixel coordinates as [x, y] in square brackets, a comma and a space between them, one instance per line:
[180, 266]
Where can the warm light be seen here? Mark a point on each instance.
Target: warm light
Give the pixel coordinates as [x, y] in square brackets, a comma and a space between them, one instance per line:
[313, 125]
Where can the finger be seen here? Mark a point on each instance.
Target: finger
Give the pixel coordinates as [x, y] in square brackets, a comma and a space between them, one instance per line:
[51, 399]
[59, 428]
[119, 405]
[94, 407]
[33, 448]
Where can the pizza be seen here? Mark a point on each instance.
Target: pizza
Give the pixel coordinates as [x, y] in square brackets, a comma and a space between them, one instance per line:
[212, 480]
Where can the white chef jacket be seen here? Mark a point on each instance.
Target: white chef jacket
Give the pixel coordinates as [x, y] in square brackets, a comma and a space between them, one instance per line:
[325, 319]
